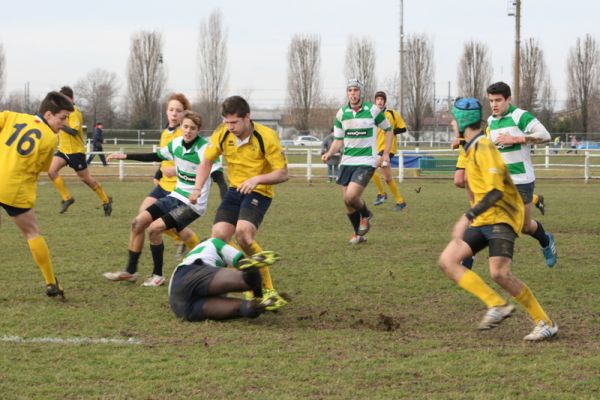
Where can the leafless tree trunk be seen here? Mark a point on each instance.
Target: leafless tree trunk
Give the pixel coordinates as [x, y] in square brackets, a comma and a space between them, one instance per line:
[583, 77]
[474, 71]
[2, 68]
[212, 67]
[146, 78]
[304, 64]
[96, 95]
[533, 75]
[547, 99]
[360, 63]
[418, 78]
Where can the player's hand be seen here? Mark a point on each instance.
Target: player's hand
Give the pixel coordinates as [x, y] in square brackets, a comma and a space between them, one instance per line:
[455, 143]
[460, 227]
[505, 139]
[116, 156]
[248, 185]
[325, 157]
[194, 194]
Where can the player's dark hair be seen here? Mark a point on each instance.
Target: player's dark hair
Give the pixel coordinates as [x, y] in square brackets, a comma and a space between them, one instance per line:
[55, 102]
[499, 88]
[194, 117]
[382, 95]
[67, 91]
[235, 105]
[180, 97]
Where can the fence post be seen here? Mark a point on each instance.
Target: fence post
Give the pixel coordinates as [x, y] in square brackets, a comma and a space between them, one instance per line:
[154, 150]
[586, 166]
[547, 158]
[115, 140]
[309, 165]
[400, 166]
[121, 166]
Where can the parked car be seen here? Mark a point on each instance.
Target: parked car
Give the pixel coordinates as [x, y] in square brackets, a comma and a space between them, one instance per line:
[307, 140]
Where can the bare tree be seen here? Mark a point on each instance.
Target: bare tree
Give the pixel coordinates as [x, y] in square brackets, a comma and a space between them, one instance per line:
[212, 67]
[547, 99]
[2, 68]
[583, 77]
[304, 64]
[418, 78]
[146, 78]
[360, 63]
[474, 70]
[533, 75]
[96, 93]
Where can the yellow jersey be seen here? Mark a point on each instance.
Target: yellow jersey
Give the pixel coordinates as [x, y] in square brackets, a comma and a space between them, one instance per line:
[27, 145]
[461, 161]
[71, 138]
[398, 127]
[260, 153]
[486, 171]
[166, 136]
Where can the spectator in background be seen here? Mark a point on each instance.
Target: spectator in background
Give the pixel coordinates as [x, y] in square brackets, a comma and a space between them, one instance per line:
[334, 161]
[556, 144]
[574, 144]
[97, 141]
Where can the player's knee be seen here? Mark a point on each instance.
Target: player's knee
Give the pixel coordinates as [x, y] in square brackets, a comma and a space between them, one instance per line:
[138, 225]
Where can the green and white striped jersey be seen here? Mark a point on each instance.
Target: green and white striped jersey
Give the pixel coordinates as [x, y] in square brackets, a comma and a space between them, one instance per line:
[213, 252]
[517, 157]
[358, 130]
[186, 166]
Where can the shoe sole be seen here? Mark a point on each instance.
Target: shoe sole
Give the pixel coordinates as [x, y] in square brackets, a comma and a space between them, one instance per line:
[495, 324]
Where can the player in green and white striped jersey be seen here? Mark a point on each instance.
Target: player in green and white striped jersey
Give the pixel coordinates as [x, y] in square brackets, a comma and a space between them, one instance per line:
[513, 130]
[355, 127]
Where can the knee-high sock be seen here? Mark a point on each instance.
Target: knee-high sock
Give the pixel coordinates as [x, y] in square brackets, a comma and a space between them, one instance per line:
[473, 284]
[265, 274]
[157, 251]
[540, 235]
[193, 241]
[100, 193]
[379, 183]
[173, 235]
[530, 303]
[395, 192]
[354, 220]
[41, 256]
[59, 184]
[536, 199]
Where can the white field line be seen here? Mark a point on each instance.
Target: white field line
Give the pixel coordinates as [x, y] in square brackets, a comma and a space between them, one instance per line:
[74, 341]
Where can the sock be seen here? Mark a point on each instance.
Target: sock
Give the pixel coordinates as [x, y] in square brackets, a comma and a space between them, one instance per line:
[59, 184]
[247, 311]
[467, 262]
[132, 263]
[254, 281]
[395, 192]
[234, 244]
[530, 303]
[473, 284]
[193, 241]
[173, 235]
[265, 274]
[41, 256]
[379, 183]
[100, 193]
[540, 235]
[536, 199]
[354, 220]
[157, 258]
[364, 211]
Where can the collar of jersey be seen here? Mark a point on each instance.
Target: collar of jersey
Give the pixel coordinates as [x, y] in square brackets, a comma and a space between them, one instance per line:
[473, 141]
[511, 108]
[240, 143]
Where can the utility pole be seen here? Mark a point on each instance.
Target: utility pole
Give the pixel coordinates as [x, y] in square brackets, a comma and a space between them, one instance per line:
[514, 9]
[401, 77]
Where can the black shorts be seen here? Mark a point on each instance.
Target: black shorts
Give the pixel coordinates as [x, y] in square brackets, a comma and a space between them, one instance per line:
[355, 173]
[14, 211]
[158, 192]
[526, 191]
[74, 160]
[173, 211]
[189, 289]
[500, 238]
[247, 207]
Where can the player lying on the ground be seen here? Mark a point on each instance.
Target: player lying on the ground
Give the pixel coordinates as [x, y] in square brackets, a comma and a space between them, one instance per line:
[199, 284]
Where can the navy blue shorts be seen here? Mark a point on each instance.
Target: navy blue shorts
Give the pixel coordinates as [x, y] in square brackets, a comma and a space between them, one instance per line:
[189, 289]
[500, 238]
[14, 211]
[247, 207]
[158, 192]
[355, 173]
[526, 191]
[74, 160]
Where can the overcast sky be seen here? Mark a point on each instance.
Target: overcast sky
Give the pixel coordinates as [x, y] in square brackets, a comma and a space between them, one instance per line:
[52, 43]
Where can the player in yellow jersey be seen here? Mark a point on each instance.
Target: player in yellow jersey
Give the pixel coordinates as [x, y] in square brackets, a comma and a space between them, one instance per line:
[495, 220]
[398, 127]
[27, 143]
[255, 161]
[177, 105]
[71, 152]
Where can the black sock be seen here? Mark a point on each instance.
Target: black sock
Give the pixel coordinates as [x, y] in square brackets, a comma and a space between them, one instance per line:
[540, 235]
[157, 257]
[132, 263]
[254, 281]
[247, 311]
[354, 220]
[364, 211]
